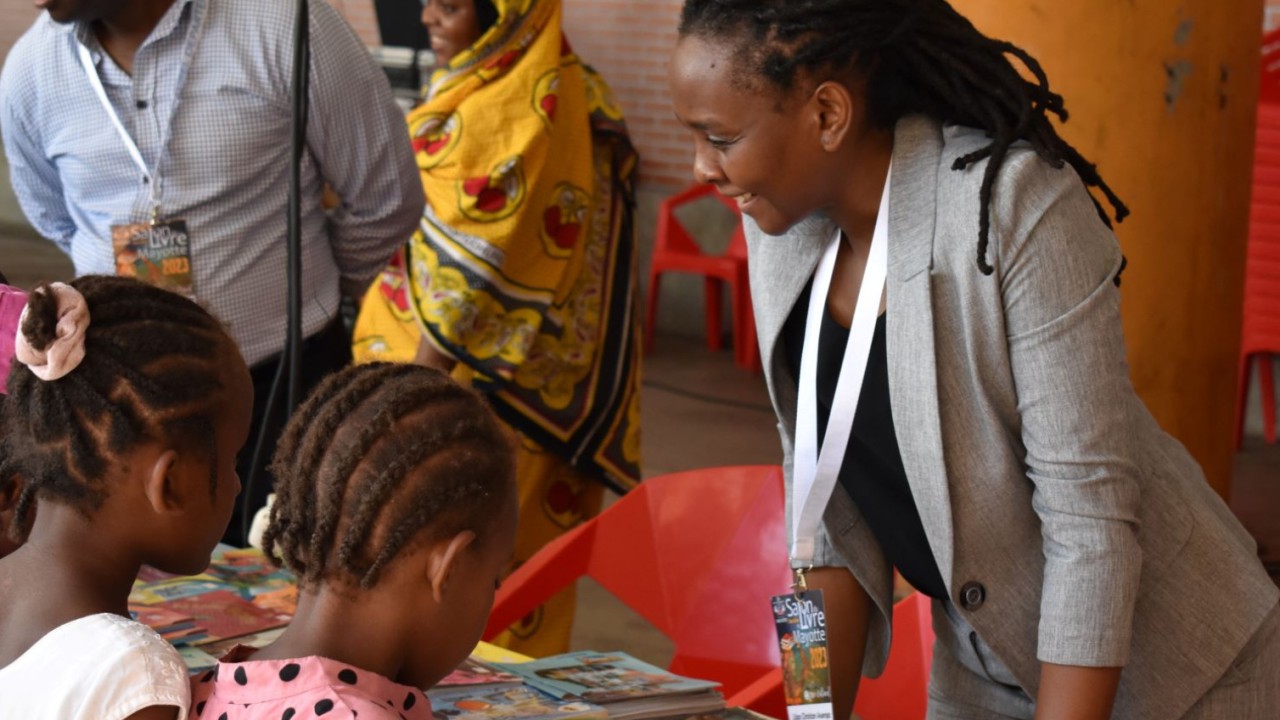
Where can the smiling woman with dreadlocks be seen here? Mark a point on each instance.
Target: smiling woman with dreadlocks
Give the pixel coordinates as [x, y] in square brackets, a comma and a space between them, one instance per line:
[935, 289]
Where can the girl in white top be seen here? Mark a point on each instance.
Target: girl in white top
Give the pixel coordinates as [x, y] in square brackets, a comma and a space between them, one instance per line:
[127, 407]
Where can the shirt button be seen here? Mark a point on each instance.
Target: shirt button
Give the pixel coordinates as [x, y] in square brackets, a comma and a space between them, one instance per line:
[142, 104]
[972, 595]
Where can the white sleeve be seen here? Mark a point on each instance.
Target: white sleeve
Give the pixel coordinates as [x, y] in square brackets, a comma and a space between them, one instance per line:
[141, 671]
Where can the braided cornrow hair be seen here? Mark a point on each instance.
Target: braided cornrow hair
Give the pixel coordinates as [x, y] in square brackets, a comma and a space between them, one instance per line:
[380, 457]
[919, 56]
[152, 370]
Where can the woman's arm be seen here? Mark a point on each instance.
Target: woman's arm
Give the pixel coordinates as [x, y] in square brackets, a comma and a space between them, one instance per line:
[848, 609]
[1076, 404]
[1069, 692]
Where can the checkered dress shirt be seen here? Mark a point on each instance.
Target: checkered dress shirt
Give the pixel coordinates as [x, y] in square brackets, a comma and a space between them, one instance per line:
[225, 169]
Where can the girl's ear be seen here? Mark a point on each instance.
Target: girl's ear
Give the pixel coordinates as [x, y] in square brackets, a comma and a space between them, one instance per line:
[443, 562]
[160, 485]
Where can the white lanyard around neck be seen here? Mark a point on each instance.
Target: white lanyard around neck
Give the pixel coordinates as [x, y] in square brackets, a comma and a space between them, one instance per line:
[814, 475]
[188, 51]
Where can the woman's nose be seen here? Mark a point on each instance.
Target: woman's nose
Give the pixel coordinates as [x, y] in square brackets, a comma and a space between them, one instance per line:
[705, 171]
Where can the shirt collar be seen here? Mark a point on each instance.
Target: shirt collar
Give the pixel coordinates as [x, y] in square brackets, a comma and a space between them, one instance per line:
[175, 15]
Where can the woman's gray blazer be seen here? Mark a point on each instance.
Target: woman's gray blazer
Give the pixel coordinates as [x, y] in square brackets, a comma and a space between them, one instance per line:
[1068, 526]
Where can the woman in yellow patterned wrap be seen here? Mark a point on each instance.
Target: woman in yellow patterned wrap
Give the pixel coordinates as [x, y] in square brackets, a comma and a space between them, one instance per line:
[521, 277]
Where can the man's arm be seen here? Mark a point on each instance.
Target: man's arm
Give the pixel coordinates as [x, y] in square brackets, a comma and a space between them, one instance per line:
[360, 141]
[34, 177]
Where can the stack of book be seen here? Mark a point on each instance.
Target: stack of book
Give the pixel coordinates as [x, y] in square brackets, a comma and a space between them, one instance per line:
[241, 598]
[627, 688]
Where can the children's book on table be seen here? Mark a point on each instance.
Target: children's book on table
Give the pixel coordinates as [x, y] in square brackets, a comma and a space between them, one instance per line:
[628, 688]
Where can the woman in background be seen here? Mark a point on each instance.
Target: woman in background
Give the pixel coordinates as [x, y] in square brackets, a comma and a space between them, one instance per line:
[521, 277]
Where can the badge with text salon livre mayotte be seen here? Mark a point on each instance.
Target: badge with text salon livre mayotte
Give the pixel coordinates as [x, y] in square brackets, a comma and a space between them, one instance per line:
[157, 253]
[802, 635]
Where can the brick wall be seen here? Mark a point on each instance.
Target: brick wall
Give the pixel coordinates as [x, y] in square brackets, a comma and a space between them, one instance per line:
[629, 43]
[17, 15]
[361, 16]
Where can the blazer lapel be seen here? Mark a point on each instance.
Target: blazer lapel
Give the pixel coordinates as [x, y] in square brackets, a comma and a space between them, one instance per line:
[780, 267]
[913, 379]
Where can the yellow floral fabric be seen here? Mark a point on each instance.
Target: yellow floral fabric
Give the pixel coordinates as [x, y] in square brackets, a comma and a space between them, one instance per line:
[523, 267]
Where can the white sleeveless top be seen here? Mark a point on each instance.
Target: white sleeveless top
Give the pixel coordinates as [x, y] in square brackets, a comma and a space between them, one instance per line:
[103, 667]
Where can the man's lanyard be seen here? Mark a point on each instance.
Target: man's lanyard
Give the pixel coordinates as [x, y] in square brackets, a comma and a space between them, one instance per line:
[815, 475]
[188, 52]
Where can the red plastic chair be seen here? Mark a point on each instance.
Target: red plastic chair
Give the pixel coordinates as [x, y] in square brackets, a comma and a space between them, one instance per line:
[676, 251]
[1260, 337]
[698, 554]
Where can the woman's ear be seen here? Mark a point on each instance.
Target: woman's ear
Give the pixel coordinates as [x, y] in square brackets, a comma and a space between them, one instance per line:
[160, 483]
[834, 107]
[443, 562]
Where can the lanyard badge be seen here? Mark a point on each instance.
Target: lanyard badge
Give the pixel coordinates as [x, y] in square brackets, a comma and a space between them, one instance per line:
[157, 253]
[800, 616]
[801, 622]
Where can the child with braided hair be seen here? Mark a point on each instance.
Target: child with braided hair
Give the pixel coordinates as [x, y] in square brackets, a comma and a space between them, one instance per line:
[396, 508]
[127, 405]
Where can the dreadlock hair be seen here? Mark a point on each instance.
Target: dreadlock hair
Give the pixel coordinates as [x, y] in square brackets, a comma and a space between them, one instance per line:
[919, 56]
[152, 370]
[381, 458]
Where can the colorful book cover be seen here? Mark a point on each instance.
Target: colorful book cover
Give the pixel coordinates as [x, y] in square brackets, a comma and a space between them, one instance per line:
[196, 659]
[475, 672]
[490, 702]
[281, 600]
[603, 677]
[218, 648]
[224, 614]
[492, 654]
[161, 591]
[249, 571]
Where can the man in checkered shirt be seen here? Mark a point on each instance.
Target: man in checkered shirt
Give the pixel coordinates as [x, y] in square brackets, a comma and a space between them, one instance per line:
[202, 89]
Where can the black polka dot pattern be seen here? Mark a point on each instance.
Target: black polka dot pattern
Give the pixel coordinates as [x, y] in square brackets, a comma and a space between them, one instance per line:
[199, 708]
[324, 706]
[242, 678]
[207, 677]
[409, 700]
[288, 714]
[290, 671]
[223, 716]
[348, 676]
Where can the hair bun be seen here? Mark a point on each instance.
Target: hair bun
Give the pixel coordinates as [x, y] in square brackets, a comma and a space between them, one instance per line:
[39, 322]
[51, 331]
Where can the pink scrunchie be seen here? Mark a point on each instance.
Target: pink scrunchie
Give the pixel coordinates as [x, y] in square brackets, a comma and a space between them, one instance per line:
[67, 350]
[12, 300]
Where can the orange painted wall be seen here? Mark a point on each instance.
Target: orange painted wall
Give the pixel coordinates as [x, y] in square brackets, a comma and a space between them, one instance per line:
[1163, 99]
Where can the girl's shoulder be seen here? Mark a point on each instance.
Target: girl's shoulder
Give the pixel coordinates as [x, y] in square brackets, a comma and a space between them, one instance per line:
[302, 687]
[112, 664]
